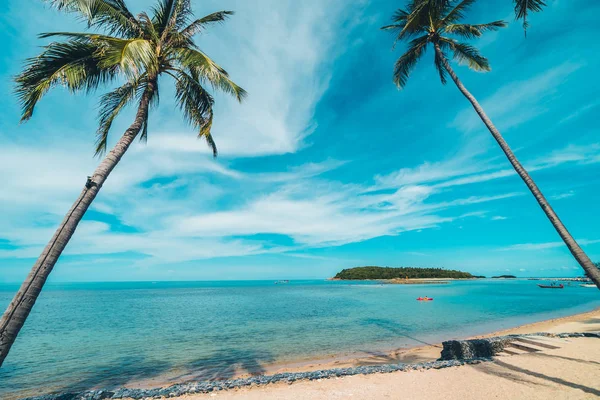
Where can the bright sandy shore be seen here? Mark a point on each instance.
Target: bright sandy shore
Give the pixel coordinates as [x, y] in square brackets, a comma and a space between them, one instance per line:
[570, 371]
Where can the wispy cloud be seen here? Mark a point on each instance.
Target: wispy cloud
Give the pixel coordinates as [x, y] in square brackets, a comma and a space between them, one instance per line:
[561, 196]
[544, 246]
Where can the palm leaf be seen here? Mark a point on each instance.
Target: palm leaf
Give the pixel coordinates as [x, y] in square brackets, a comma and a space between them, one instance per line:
[133, 56]
[456, 14]
[523, 7]
[112, 15]
[201, 23]
[111, 105]
[467, 54]
[405, 64]
[207, 70]
[468, 31]
[73, 64]
[196, 104]
[439, 66]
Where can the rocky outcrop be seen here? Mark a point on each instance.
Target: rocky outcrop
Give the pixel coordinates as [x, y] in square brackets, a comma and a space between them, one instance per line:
[489, 347]
[469, 349]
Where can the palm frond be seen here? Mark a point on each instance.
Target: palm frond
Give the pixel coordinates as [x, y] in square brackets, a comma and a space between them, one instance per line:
[407, 24]
[523, 7]
[201, 23]
[111, 105]
[112, 15]
[162, 14]
[205, 132]
[207, 70]
[148, 27]
[439, 66]
[73, 64]
[196, 104]
[77, 35]
[419, 16]
[193, 99]
[175, 16]
[133, 56]
[468, 31]
[467, 54]
[405, 64]
[456, 13]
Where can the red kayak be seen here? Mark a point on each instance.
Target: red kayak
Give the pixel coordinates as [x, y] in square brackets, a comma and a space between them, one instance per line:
[425, 298]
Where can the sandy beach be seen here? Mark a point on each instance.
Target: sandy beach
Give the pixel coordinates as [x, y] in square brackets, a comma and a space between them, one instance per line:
[559, 368]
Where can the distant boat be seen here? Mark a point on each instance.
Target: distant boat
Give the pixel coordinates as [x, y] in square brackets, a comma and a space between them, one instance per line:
[281, 282]
[588, 285]
[425, 298]
[553, 286]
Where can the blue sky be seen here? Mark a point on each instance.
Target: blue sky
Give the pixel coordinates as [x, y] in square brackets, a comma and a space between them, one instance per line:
[326, 165]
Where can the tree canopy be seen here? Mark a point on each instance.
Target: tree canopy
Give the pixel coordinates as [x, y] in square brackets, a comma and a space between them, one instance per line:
[400, 273]
[135, 49]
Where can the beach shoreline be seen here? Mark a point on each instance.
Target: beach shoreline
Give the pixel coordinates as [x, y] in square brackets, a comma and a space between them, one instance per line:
[413, 364]
[567, 371]
[407, 355]
[418, 353]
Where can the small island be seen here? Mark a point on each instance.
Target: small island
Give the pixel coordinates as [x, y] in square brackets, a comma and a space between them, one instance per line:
[401, 275]
[504, 277]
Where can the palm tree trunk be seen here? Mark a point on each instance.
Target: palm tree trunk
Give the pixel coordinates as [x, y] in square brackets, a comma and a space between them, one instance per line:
[588, 266]
[15, 315]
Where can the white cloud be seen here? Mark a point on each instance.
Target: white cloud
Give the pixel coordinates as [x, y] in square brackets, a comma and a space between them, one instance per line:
[561, 196]
[545, 246]
[581, 111]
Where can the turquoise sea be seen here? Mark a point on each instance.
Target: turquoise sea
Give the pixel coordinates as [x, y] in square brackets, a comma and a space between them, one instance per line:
[90, 335]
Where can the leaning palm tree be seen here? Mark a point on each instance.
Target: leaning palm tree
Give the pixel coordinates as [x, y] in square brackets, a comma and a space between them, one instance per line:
[441, 29]
[136, 50]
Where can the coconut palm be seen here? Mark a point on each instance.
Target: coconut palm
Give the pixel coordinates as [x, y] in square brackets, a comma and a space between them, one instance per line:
[136, 51]
[420, 8]
[443, 30]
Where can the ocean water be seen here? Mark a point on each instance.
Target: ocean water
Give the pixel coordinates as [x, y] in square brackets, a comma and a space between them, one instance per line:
[105, 335]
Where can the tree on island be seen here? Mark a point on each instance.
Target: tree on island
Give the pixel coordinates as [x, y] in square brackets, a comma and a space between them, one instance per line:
[359, 273]
[135, 49]
[438, 23]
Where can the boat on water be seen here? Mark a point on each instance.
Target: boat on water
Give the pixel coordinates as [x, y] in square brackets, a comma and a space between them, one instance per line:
[425, 298]
[281, 282]
[588, 285]
[552, 286]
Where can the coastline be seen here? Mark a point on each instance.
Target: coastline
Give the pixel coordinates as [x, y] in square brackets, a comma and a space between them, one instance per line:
[565, 366]
[417, 354]
[566, 372]
[425, 353]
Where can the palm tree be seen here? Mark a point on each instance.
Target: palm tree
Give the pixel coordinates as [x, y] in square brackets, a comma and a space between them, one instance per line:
[134, 49]
[436, 25]
[420, 10]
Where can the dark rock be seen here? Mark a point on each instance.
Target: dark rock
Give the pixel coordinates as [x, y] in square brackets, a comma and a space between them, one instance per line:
[475, 348]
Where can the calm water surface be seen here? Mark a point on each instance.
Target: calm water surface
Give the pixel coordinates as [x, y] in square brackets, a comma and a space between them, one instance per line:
[82, 336]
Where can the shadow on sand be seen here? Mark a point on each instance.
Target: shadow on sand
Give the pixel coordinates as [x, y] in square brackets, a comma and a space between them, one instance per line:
[137, 371]
[394, 327]
[517, 374]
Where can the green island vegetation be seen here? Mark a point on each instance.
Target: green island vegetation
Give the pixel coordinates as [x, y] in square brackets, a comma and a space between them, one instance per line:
[504, 277]
[400, 273]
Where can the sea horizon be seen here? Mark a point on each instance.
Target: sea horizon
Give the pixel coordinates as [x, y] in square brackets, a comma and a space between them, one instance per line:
[328, 278]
